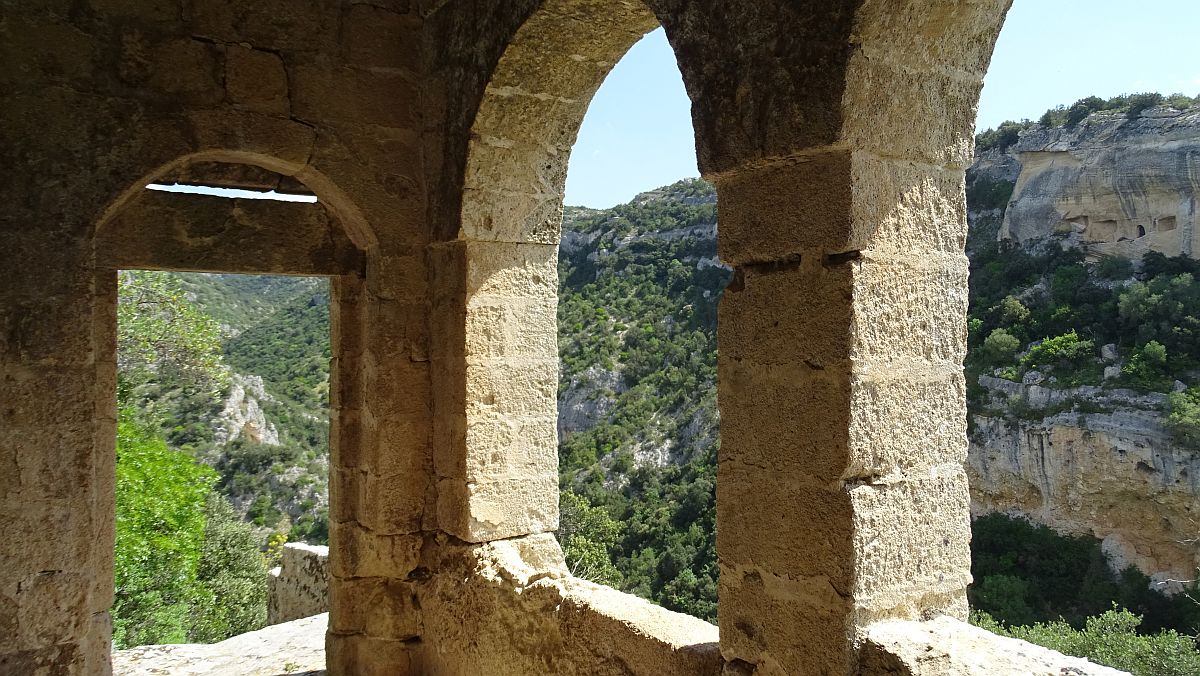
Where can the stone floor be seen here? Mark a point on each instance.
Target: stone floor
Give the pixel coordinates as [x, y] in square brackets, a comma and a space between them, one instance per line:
[294, 648]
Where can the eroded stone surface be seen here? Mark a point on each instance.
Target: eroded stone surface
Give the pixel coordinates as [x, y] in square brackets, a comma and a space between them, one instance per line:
[949, 647]
[296, 647]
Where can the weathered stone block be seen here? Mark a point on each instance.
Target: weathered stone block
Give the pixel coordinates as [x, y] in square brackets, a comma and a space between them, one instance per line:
[788, 315]
[187, 69]
[912, 545]
[891, 409]
[505, 216]
[256, 80]
[786, 419]
[525, 328]
[906, 207]
[376, 37]
[512, 386]
[353, 95]
[777, 624]
[509, 447]
[393, 504]
[497, 509]
[811, 522]
[284, 145]
[377, 607]
[396, 387]
[883, 125]
[370, 656]
[838, 200]
[779, 210]
[910, 311]
[299, 586]
[358, 552]
[276, 25]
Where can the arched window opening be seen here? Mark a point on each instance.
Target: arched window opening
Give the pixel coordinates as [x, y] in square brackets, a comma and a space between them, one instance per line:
[1079, 237]
[639, 283]
[224, 401]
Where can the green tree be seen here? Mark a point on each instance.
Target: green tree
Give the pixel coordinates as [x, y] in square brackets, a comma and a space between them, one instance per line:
[587, 535]
[1183, 417]
[1147, 368]
[1000, 348]
[1110, 639]
[160, 497]
[1064, 355]
[232, 574]
[162, 336]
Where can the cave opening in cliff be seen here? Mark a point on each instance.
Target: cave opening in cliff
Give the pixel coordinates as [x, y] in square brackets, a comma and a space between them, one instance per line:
[1078, 194]
[639, 284]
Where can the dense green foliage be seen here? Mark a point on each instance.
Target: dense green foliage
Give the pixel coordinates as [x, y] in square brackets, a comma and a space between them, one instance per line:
[163, 337]
[1111, 639]
[1050, 311]
[160, 533]
[638, 301]
[186, 569]
[1026, 574]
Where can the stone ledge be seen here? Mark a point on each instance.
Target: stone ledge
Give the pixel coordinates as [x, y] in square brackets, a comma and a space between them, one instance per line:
[293, 648]
[949, 647]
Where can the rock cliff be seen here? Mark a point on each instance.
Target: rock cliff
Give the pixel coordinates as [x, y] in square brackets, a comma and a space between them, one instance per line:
[1111, 472]
[1112, 185]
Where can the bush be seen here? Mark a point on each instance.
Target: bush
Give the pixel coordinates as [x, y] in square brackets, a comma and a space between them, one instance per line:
[1000, 348]
[1063, 355]
[1141, 102]
[233, 574]
[1183, 417]
[1110, 639]
[160, 499]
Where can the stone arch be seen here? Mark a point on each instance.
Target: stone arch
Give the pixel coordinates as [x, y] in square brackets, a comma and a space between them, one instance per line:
[837, 135]
[498, 476]
[339, 204]
[534, 102]
[330, 238]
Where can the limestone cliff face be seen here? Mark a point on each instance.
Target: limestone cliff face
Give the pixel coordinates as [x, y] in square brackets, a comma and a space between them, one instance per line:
[1115, 186]
[1113, 475]
[244, 415]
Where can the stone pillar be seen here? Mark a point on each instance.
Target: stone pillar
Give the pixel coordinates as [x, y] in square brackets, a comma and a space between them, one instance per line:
[56, 455]
[379, 467]
[495, 352]
[841, 496]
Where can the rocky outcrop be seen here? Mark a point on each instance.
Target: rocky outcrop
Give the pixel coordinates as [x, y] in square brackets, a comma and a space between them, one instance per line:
[1091, 461]
[243, 414]
[299, 586]
[1112, 185]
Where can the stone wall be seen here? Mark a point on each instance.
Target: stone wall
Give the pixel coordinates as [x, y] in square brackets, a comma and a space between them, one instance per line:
[435, 134]
[299, 586]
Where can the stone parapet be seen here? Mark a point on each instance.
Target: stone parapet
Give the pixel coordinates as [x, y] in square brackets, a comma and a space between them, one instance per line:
[299, 586]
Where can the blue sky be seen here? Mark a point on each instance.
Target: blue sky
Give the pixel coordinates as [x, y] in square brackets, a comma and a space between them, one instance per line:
[637, 134]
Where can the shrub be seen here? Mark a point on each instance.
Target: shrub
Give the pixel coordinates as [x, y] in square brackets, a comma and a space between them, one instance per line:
[1110, 639]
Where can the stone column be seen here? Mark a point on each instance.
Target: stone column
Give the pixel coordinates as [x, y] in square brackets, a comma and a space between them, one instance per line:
[841, 496]
[495, 352]
[379, 467]
[56, 455]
